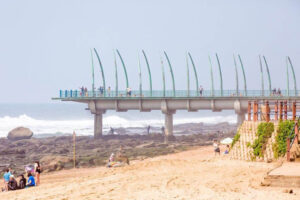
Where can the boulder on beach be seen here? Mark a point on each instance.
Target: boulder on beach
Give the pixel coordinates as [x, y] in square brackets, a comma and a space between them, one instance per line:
[20, 133]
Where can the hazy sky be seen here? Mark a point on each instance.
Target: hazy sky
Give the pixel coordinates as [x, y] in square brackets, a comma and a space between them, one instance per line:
[45, 45]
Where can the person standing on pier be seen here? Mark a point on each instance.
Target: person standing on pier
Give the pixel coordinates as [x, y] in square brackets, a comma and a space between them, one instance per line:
[85, 92]
[108, 91]
[82, 91]
[201, 90]
[101, 90]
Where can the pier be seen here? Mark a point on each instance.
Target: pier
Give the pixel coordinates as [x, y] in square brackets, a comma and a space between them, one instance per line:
[169, 101]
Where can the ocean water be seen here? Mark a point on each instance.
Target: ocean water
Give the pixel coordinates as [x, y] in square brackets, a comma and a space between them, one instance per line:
[64, 118]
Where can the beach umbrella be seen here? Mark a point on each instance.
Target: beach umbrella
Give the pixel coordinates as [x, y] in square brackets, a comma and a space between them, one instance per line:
[226, 141]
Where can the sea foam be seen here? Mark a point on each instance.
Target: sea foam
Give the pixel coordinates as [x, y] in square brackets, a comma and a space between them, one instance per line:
[85, 126]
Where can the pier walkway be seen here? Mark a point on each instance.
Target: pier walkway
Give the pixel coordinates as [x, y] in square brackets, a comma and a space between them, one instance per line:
[169, 101]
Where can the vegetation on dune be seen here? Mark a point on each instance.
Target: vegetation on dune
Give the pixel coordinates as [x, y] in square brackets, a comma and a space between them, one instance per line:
[264, 132]
[283, 132]
[236, 138]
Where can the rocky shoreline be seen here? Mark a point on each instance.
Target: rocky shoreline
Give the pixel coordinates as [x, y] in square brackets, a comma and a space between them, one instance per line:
[56, 153]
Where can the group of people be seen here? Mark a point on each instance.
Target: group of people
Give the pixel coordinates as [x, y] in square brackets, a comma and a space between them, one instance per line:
[217, 149]
[10, 182]
[83, 91]
[128, 91]
[276, 92]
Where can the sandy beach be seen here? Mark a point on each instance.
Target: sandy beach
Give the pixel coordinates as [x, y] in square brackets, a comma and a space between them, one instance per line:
[193, 174]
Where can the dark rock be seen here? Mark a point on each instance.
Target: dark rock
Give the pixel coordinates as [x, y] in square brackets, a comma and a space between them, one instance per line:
[20, 133]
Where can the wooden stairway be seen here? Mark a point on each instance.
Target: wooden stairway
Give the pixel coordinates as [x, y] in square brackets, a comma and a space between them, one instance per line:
[295, 152]
[242, 150]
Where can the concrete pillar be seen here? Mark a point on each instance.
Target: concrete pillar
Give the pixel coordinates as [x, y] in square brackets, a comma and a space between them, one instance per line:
[240, 118]
[169, 123]
[98, 123]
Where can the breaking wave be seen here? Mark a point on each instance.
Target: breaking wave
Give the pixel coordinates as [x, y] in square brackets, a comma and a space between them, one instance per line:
[85, 126]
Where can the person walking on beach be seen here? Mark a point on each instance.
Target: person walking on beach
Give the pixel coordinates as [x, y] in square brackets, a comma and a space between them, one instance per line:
[216, 147]
[163, 130]
[112, 130]
[148, 130]
[37, 171]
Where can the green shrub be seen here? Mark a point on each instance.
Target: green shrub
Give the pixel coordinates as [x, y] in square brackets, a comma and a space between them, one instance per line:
[236, 138]
[283, 131]
[248, 144]
[264, 132]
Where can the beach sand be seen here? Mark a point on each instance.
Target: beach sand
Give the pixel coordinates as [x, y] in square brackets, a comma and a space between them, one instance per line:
[193, 174]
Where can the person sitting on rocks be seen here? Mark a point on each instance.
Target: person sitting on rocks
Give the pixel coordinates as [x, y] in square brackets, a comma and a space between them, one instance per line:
[31, 181]
[6, 177]
[227, 149]
[12, 184]
[112, 157]
[22, 182]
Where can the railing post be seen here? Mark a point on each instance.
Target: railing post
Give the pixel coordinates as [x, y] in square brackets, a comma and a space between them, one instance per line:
[288, 155]
[276, 111]
[294, 110]
[255, 111]
[296, 133]
[267, 111]
[249, 110]
[285, 110]
[280, 110]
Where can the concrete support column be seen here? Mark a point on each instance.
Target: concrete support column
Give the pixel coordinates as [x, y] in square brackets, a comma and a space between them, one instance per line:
[98, 124]
[240, 118]
[169, 123]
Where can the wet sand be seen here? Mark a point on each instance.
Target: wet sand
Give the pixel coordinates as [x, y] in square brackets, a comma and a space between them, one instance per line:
[193, 174]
